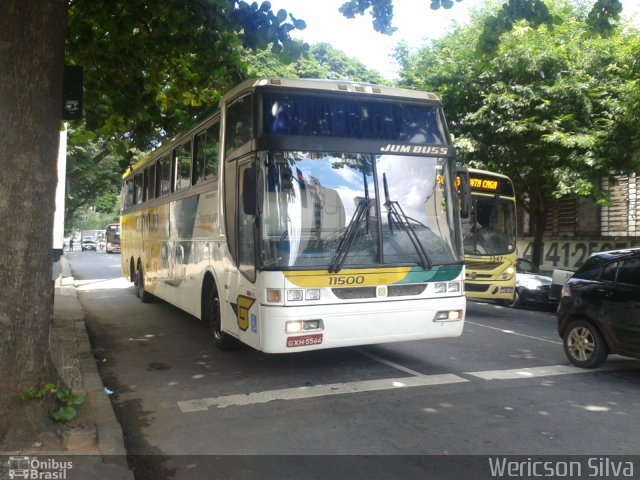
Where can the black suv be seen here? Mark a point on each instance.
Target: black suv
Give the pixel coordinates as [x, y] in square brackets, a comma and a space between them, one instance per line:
[599, 311]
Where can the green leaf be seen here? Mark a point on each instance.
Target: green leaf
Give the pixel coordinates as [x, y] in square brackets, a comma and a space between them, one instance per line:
[64, 414]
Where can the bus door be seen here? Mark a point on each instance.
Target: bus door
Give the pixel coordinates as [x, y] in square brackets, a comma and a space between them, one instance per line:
[243, 294]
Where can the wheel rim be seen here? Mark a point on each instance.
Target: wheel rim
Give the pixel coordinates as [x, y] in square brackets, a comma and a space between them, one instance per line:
[581, 343]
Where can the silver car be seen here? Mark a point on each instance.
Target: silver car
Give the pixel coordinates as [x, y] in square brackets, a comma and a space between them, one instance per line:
[532, 287]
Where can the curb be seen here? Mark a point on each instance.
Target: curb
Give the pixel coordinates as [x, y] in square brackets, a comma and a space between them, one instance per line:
[73, 359]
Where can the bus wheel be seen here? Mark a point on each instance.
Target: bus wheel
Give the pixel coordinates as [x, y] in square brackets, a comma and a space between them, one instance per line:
[211, 314]
[141, 293]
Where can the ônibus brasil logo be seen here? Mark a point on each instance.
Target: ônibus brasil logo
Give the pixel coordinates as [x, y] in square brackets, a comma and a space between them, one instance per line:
[35, 468]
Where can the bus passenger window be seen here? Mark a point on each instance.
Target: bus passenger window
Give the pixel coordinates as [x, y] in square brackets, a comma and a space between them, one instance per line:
[164, 176]
[212, 152]
[127, 193]
[182, 165]
[199, 143]
[205, 152]
[150, 182]
[138, 191]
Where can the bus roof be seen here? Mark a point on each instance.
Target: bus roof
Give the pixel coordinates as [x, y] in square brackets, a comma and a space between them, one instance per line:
[291, 83]
[327, 86]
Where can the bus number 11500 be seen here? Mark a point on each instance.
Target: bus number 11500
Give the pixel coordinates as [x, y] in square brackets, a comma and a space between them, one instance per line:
[346, 280]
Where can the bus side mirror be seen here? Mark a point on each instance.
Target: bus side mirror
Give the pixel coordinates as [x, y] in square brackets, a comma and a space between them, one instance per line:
[465, 192]
[249, 204]
[252, 191]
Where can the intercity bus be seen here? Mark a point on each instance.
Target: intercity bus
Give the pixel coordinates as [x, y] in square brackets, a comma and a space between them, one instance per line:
[303, 214]
[112, 238]
[490, 238]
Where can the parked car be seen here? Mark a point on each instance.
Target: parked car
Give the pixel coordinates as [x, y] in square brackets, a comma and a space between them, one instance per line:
[599, 311]
[88, 243]
[532, 287]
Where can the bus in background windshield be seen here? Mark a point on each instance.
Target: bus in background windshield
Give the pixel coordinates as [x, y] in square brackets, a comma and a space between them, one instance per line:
[302, 215]
[490, 237]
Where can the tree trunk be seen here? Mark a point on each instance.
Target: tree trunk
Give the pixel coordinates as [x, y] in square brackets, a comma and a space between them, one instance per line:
[539, 224]
[32, 34]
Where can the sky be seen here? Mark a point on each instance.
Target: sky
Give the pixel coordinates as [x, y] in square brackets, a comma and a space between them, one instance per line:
[414, 20]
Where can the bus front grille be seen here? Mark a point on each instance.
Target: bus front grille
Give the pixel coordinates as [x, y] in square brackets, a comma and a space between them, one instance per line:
[482, 265]
[351, 293]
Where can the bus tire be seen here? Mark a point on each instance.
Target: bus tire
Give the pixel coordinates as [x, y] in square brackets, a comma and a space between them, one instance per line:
[141, 293]
[211, 314]
[133, 273]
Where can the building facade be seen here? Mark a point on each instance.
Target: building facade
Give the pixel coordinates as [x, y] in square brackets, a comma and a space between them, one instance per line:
[578, 227]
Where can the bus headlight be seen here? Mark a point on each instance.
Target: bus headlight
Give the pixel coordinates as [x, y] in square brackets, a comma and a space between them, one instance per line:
[442, 287]
[298, 326]
[295, 295]
[507, 274]
[312, 294]
[448, 316]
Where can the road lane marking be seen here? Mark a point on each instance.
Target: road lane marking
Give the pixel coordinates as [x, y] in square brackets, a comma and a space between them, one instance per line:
[511, 332]
[531, 372]
[548, 371]
[389, 363]
[298, 393]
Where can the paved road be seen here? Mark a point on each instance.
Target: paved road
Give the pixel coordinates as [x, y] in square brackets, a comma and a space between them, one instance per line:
[503, 388]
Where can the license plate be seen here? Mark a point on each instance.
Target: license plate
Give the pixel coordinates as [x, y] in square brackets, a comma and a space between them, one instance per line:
[305, 340]
[506, 289]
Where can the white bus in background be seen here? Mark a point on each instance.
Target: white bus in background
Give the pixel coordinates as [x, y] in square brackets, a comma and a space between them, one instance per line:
[303, 214]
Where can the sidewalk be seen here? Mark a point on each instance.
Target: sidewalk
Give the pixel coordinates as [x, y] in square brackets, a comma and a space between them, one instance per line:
[98, 439]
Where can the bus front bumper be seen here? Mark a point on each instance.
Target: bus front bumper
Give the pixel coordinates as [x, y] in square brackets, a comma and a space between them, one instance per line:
[359, 324]
[491, 290]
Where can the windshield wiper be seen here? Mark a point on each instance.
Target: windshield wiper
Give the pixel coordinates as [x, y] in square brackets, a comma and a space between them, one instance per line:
[397, 215]
[352, 230]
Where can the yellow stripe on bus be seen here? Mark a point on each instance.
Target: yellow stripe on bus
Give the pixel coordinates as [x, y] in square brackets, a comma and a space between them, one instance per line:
[353, 278]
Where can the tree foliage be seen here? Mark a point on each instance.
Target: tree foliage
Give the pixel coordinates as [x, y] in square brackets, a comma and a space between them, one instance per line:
[321, 61]
[553, 107]
[150, 67]
[93, 180]
[603, 18]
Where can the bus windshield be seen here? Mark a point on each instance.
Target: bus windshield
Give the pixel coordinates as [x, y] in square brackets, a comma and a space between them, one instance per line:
[491, 229]
[342, 210]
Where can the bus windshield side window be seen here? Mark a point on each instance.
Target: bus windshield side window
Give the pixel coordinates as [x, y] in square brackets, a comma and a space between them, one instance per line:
[238, 127]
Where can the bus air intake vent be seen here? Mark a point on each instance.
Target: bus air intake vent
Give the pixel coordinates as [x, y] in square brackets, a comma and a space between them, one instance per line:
[405, 290]
[483, 265]
[475, 287]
